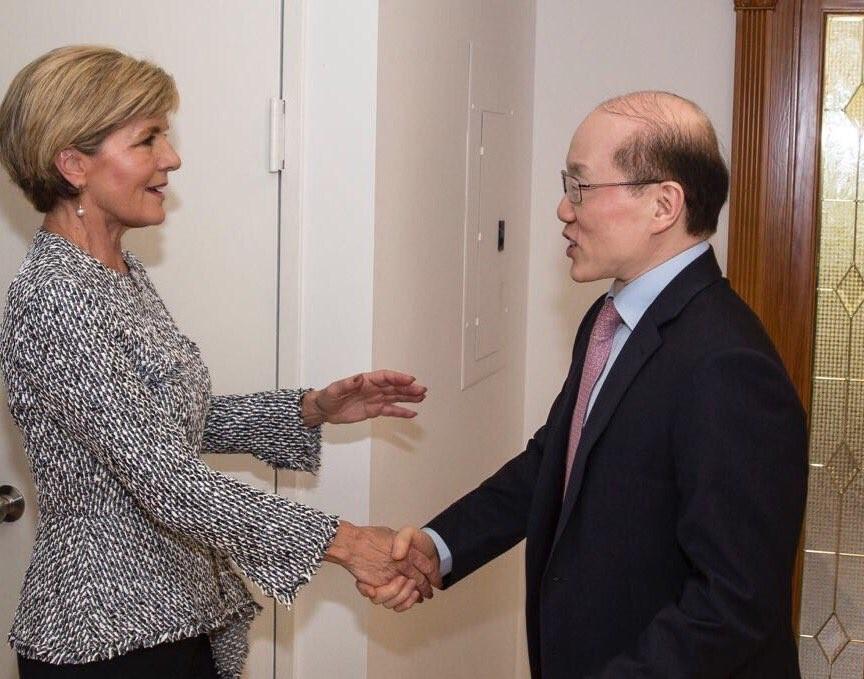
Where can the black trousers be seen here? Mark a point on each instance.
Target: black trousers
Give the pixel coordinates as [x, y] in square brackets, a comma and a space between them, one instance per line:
[185, 659]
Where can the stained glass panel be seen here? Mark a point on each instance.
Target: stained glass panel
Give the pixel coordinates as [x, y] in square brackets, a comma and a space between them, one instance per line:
[832, 605]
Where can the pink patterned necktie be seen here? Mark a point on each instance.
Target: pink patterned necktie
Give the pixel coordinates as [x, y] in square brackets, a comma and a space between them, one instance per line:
[599, 346]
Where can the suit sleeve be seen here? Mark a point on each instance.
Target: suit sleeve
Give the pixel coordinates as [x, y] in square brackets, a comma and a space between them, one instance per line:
[741, 468]
[77, 371]
[267, 424]
[492, 518]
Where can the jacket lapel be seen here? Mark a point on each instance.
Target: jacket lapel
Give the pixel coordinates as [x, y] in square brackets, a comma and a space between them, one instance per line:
[640, 346]
[547, 499]
[643, 342]
[560, 435]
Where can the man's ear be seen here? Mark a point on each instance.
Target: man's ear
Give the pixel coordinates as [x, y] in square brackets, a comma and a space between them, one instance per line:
[72, 164]
[668, 206]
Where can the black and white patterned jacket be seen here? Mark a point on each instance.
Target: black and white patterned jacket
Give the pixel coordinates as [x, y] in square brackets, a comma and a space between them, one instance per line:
[135, 532]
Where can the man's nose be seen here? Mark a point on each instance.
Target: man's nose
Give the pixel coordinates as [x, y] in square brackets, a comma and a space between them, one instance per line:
[566, 213]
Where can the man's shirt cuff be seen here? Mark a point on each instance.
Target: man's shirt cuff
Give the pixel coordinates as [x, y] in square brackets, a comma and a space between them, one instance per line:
[445, 558]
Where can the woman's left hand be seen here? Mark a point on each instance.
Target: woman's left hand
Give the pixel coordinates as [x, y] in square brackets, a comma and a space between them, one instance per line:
[358, 398]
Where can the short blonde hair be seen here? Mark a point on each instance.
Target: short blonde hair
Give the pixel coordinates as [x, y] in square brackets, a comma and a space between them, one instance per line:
[73, 97]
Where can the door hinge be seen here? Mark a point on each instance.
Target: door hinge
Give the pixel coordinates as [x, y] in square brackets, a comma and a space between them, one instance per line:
[277, 134]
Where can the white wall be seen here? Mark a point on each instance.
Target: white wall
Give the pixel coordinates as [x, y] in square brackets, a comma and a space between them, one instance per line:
[337, 188]
[420, 467]
[586, 52]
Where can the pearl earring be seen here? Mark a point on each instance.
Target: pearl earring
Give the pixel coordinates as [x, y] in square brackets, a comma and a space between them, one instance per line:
[80, 211]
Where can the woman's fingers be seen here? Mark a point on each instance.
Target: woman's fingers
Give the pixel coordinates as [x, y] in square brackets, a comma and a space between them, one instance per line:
[399, 594]
[414, 598]
[390, 381]
[404, 594]
[397, 411]
[390, 590]
[405, 398]
[412, 390]
[382, 378]
[409, 570]
[383, 387]
[366, 590]
[405, 597]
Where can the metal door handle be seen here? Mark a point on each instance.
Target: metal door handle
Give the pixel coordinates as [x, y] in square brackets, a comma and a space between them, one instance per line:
[11, 504]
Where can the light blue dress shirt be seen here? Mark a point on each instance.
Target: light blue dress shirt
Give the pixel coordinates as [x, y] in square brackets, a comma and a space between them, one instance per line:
[631, 301]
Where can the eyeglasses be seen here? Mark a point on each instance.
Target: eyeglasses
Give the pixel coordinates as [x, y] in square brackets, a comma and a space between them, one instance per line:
[573, 189]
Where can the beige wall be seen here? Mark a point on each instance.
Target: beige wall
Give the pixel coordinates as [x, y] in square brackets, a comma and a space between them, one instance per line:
[461, 436]
[587, 52]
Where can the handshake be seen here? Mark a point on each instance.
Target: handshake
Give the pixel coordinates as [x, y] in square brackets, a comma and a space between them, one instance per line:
[393, 569]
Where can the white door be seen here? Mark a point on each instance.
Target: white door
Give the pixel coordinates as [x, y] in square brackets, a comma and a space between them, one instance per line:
[215, 261]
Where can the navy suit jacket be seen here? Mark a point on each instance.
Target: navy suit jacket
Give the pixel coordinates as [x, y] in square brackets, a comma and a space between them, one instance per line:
[672, 553]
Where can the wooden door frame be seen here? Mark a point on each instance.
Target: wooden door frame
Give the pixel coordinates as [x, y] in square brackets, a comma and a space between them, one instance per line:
[773, 211]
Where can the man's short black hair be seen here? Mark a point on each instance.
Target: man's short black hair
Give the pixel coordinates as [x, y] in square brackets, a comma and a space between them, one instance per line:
[674, 141]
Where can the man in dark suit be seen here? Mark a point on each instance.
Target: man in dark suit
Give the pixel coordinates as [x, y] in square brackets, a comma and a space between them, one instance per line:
[662, 500]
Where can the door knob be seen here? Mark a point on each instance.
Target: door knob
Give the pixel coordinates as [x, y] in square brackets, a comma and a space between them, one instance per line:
[11, 504]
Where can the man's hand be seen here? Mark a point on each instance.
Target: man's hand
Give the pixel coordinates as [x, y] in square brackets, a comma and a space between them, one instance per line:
[367, 553]
[400, 593]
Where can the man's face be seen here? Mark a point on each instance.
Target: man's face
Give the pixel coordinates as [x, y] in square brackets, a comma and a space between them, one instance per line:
[608, 232]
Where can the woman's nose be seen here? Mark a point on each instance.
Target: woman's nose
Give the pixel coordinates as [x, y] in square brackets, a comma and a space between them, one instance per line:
[170, 160]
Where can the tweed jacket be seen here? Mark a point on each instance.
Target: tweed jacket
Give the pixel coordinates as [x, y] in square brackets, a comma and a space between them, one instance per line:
[136, 535]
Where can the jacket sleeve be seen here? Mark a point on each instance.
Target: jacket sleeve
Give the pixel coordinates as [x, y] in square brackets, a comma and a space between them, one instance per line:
[74, 364]
[741, 467]
[493, 517]
[267, 424]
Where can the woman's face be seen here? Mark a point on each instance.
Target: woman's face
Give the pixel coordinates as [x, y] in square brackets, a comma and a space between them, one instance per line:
[126, 178]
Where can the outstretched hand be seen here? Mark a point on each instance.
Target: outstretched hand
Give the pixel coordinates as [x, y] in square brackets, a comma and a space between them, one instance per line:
[400, 593]
[361, 397]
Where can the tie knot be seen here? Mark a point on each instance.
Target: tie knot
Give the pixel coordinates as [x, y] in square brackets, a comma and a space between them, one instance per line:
[608, 320]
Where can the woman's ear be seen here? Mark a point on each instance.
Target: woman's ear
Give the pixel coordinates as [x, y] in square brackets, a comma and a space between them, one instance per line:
[670, 203]
[73, 166]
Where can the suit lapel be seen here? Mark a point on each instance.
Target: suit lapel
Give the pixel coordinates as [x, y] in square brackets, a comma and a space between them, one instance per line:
[643, 342]
[560, 434]
[547, 499]
[640, 346]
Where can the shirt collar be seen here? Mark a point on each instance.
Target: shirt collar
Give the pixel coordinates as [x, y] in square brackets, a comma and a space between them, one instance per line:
[633, 300]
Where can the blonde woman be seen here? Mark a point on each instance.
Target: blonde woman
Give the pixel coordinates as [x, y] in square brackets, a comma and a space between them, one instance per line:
[133, 568]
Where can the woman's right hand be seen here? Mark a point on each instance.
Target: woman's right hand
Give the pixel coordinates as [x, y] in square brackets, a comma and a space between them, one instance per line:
[368, 554]
[400, 593]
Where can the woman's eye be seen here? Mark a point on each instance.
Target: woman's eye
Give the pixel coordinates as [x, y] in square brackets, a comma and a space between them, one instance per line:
[149, 141]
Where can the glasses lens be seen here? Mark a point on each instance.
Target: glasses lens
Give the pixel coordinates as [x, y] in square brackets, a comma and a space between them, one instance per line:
[571, 189]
